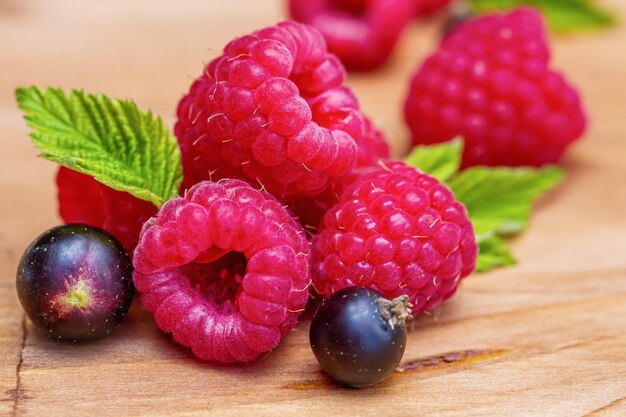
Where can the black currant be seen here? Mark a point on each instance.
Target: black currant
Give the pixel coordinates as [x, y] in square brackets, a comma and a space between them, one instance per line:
[75, 282]
[358, 336]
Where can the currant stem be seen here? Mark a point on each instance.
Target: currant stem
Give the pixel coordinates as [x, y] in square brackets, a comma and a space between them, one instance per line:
[396, 311]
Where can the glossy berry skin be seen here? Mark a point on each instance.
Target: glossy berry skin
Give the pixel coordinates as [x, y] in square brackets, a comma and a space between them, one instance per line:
[224, 269]
[398, 231]
[84, 200]
[351, 339]
[491, 83]
[75, 282]
[362, 33]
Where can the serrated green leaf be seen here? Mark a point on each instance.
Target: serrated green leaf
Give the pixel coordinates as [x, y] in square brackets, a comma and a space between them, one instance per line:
[493, 253]
[111, 140]
[499, 200]
[562, 15]
[441, 161]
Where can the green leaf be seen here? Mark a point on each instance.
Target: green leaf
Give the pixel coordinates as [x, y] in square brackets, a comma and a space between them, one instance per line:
[499, 200]
[111, 140]
[441, 161]
[493, 253]
[562, 15]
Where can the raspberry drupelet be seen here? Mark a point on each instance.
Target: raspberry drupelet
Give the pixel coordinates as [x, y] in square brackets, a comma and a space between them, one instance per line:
[272, 110]
[362, 33]
[84, 200]
[224, 269]
[372, 149]
[398, 231]
[490, 83]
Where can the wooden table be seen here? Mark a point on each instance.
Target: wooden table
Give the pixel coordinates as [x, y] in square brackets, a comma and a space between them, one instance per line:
[547, 337]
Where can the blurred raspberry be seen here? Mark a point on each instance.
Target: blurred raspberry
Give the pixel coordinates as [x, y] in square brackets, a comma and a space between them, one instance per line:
[363, 33]
[428, 7]
[490, 83]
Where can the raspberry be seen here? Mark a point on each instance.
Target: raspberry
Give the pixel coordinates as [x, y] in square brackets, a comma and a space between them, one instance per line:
[372, 149]
[82, 199]
[362, 33]
[428, 7]
[271, 110]
[490, 83]
[225, 269]
[398, 231]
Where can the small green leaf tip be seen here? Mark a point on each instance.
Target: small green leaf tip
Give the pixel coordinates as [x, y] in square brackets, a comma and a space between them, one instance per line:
[493, 253]
[563, 16]
[441, 161]
[111, 140]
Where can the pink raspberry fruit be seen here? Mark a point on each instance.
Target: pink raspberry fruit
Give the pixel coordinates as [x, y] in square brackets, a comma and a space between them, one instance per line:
[363, 33]
[224, 269]
[371, 149]
[271, 110]
[490, 83]
[398, 231]
[84, 200]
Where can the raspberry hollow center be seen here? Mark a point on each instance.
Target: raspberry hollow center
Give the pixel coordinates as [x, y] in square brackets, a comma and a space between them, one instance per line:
[219, 282]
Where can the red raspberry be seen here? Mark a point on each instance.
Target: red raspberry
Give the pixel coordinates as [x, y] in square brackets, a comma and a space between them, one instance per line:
[398, 231]
[225, 269]
[490, 83]
[271, 110]
[82, 199]
[427, 7]
[362, 33]
[372, 149]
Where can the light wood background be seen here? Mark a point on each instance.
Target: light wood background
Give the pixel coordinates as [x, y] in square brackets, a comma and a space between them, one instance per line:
[547, 337]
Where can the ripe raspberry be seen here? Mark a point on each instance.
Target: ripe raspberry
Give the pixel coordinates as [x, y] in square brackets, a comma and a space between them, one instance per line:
[372, 149]
[428, 7]
[84, 200]
[80, 200]
[490, 83]
[271, 110]
[398, 231]
[362, 33]
[225, 269]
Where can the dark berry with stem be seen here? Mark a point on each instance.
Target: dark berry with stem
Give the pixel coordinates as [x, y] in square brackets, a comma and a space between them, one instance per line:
[358, 336]
[75, 282]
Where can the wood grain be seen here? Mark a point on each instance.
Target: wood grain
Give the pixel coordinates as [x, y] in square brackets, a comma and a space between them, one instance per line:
[545, 338]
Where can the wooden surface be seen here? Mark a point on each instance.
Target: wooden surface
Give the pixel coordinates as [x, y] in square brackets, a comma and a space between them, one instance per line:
[545, 338]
